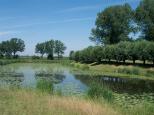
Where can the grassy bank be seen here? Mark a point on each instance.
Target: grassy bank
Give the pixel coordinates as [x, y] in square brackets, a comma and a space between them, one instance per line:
[30, 60]
[124, 71]
[27, 102]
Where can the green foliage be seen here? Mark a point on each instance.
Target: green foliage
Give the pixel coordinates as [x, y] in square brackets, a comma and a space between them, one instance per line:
[71, 55]
[49, 48]
[138, 50]
[108, 52]
[145, 19]
[40, 48]
[17, 45]
[59, 48]
[113, 25]
[11, 47]
[97, 91]
[45, 86]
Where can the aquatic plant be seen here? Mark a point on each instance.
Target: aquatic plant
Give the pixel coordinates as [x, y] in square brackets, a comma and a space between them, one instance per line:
[45, 86]
[97, 91]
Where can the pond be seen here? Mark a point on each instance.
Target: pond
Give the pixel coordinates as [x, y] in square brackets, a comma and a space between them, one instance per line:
[130, 91]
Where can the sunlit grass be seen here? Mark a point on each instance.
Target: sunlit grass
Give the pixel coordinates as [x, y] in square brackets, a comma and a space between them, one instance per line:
[26, 102]
[126, 71]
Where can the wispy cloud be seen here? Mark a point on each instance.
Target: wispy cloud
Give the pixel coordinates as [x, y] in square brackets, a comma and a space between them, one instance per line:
[49, 22]
[3, 33]
[80, 8]
[127, 1]
[9, 18]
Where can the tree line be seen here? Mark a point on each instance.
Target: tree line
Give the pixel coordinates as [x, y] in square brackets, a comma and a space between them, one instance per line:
[50, 48]
[113, 32]
[125, 50]
[10, 48]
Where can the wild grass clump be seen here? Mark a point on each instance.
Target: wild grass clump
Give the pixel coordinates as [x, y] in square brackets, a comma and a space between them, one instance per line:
[44, 86]
[143, 108]
[97, 91]
[131, 71]
[150, 73]
[80, 66]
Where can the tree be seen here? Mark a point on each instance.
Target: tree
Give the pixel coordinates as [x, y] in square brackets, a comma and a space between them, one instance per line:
[71, 55]
[59, 48]
[121, 51]
[17, 45]
[98, 53]
[133, 52]
[113, 25]
[6, 48]
[145, 19]
[150, 50]
[1, 51]
[49, 49]
[109, 52]
[40, 48]
[141, 48]
[77, 56]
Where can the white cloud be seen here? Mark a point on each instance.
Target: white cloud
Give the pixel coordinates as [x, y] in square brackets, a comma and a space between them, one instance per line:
[3, 33]
[49, 22]
[80, 8]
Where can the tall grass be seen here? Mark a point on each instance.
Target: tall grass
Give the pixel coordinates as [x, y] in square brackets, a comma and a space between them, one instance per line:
[131, 71]
[26, 102]
[97, 91]
[45, 86]
[80, 66]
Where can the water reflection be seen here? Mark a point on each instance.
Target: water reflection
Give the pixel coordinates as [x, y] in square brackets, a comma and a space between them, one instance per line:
[120, 85]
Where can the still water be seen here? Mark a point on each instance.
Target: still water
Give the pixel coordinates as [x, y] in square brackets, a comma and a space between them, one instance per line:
[63, 78]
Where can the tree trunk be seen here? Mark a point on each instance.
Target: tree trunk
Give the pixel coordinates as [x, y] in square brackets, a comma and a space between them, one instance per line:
[134, 61]
[14, 54]
[124, 61]
[144, 61]
[99, 60]
[42, 56]
[58, 56]
[153, 62]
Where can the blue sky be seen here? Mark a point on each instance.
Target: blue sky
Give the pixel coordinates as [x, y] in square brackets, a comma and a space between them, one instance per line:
[40, 20]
